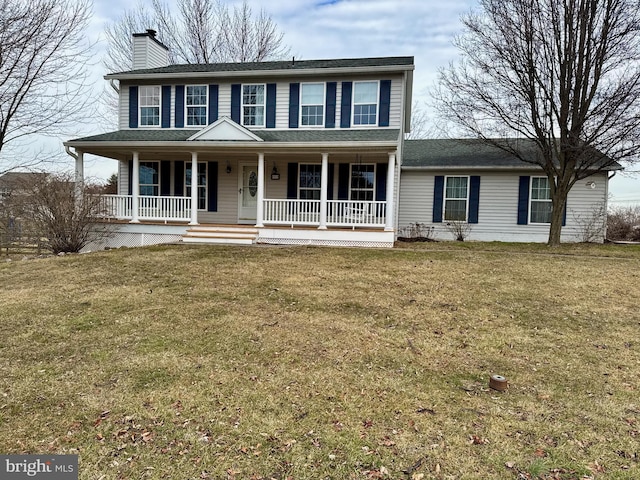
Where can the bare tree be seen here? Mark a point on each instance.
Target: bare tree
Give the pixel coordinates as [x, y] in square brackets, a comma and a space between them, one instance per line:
[43, 56]
[198, 31]
[55, 210]
[420, 124]
[563, 73]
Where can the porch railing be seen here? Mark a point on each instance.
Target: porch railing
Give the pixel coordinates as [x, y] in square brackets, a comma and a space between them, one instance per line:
[340, 213]
[149, 208]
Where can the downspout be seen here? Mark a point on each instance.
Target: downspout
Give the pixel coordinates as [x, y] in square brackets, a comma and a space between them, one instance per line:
[112, 82]
[606, 205]
[74, 155]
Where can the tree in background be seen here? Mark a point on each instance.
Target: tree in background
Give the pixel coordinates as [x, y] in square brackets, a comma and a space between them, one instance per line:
[197, 31]
[42, 73]
[564, 74]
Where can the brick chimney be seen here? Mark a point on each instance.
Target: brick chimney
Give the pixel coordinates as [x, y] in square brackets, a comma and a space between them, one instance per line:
[148, 51]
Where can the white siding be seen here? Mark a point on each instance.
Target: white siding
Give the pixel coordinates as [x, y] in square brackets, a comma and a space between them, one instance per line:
[123, 110]
[148, 54]
[282, 105]
[498, 208]
[224, 100]
[123, 178]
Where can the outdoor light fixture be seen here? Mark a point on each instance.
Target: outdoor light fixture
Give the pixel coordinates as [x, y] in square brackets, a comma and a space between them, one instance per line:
[274, 173]
[228, 167]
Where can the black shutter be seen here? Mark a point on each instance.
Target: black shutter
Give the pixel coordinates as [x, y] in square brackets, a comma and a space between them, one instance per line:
[130, 177]
[381, 182]
[292, 180]
[236, 93]
[212, 186]
[332, 172]
[179, 106]
[271, 105]
[385, 103]
[213, 103]
[523, 200]
[345, 105]
[178, 179]
[474, 199]
[294, 104]
[133, 107]
[343, 181]
[438, 197]
[166, 106]
[165, 178]
[330, 108]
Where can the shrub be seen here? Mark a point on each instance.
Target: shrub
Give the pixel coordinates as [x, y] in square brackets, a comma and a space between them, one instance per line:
[623, 224]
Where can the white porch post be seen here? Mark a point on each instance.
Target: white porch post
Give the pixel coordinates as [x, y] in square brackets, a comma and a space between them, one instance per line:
[194, 188]
[135, 188]
[260, 206]
[391, 174]
[79, 173]
[324, 189]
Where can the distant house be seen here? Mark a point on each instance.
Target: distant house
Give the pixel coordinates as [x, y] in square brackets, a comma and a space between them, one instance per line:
[16, 182]
[301, 152]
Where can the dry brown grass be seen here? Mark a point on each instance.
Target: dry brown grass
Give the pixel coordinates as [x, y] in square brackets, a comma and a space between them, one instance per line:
[310, 363]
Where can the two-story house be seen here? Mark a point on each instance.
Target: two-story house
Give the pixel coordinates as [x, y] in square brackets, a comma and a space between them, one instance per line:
[303, 152]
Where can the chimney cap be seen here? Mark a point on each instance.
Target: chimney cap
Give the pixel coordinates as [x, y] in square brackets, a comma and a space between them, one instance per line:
[151, 32]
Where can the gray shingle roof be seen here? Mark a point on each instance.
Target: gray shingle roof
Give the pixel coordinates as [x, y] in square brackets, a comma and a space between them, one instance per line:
[467, 153]
[288, 65]
[301, 136]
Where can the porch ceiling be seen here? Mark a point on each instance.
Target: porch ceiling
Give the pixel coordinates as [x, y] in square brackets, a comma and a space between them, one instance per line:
[119, 144]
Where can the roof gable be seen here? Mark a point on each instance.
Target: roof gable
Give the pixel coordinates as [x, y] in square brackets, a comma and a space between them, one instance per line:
[225, 129]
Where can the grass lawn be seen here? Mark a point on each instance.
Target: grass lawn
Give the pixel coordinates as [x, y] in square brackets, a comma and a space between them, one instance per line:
[203, 362]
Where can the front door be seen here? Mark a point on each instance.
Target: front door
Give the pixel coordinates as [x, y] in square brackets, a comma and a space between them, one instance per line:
[247, 192]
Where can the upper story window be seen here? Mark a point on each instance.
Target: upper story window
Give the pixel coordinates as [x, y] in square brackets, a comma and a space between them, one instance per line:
[196, 105]
[362, 181]
[150, 106]
[365, 103]
[253, 102]
[540, 200]
[312, 104]
[456, 199]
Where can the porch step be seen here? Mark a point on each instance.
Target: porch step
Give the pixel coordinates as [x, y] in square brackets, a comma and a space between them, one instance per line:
[222, 234]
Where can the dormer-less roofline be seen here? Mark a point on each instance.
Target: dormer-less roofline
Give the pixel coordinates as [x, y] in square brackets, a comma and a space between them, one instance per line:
[355, 66]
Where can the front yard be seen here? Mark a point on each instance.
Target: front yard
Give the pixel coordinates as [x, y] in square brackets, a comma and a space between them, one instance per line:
[311, 363]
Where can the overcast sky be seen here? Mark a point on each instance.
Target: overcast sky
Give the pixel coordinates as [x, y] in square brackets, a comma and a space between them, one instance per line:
[317, 29]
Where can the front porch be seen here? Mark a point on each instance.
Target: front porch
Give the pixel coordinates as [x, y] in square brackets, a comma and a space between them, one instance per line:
[281, 212]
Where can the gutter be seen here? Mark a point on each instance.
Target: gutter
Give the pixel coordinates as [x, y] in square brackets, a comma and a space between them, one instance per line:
[197, 144]
[69, 152]
[264, 73]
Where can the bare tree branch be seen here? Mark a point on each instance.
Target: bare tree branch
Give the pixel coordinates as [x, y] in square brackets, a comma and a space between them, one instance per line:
[43, 58]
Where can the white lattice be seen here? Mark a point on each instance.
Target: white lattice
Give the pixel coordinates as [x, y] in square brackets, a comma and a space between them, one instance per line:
[130, 239]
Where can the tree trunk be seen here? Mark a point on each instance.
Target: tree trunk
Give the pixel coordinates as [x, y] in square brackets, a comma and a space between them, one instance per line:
[559, 200]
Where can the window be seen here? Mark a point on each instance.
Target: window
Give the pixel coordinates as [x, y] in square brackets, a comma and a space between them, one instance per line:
[365, 103]
[312, 104]
[150, 106]
[310, 178]
[150, 178]
[196, 105]
[540, 200]
[362, 182]
[253, 100]
[456, 199]
[202, 184]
